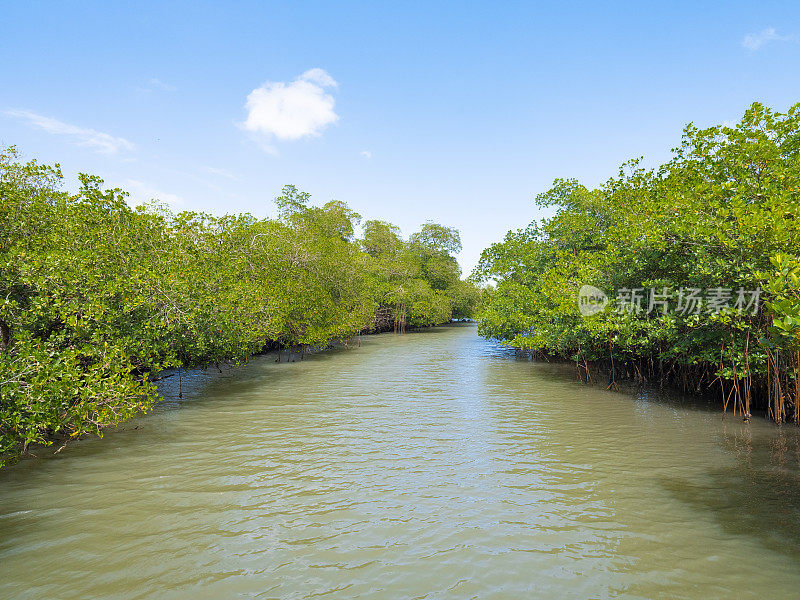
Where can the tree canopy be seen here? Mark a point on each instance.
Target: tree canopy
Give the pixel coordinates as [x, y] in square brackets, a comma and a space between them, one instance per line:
[96, 296]
[708, 230]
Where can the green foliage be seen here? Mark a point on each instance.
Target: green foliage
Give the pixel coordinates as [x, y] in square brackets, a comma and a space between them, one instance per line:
[439, 238]
[96, 296]
[721, 213]
[418, 282]
[783, 286]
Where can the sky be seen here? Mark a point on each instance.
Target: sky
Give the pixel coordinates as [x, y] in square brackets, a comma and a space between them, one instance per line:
[456, 112]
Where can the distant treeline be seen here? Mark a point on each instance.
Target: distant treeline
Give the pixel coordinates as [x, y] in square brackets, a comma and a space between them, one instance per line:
[96, 297]
[682, 252]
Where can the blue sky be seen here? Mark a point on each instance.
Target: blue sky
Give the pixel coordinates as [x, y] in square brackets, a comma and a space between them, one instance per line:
[457, 112]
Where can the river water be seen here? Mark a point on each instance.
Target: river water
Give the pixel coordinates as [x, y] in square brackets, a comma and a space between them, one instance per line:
[429, 465]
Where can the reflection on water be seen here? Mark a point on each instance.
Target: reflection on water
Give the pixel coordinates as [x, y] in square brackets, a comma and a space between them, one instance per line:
[430, 465]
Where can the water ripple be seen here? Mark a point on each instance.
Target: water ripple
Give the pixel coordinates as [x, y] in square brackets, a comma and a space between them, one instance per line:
[430, 465]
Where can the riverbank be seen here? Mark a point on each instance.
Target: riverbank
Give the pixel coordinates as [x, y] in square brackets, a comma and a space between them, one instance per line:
[99, 295]
[687, 274]
[172, 383]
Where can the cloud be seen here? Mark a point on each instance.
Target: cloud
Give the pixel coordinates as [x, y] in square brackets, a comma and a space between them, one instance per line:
[222, 173]
[291, 111]
[754, 41]
[157, 84]
[81, 136]
[366, 154]
[141, 193]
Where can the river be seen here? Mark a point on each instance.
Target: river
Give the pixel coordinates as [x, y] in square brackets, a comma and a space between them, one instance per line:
[428, 465]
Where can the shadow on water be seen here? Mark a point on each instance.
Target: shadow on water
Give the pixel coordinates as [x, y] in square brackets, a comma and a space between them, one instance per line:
[193, 389]
[266, 368]
[198, 387]
[757, 495]
[560, 370]
[214, 384]
[756, 492]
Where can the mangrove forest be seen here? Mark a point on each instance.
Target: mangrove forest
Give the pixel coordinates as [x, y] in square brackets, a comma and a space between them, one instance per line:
[697, 261]
[99, 298]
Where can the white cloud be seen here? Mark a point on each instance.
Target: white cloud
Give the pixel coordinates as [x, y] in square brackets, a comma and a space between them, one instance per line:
[222, 173]
[140, 193]
[366, 154]
[754, 41]
[155, 85]
[160, 85]
[320, 77]
[91, 138]
[291, 111]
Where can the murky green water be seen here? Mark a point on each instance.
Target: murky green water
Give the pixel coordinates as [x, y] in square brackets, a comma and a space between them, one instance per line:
[432, 465]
